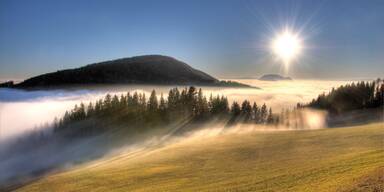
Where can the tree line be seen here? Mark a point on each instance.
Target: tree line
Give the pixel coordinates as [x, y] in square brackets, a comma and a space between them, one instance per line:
[135, 110]
[360, 95]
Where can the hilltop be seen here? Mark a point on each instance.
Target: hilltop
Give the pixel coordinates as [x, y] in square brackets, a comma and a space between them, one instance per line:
[147, 69]
[273, 77]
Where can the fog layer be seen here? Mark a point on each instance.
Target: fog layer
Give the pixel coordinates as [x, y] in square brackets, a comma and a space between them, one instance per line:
[27, 110]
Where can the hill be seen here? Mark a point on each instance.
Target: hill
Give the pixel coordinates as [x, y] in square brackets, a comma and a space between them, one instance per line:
[348, 159]
[350, 97]
[273, 77]
[148, 69]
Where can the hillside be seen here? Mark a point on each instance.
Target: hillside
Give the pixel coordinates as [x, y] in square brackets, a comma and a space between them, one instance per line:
[350, 97]
[273, 77]
[347, 159]
[149, 69]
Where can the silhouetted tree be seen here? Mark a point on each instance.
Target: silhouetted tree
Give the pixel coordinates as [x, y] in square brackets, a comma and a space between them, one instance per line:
[263, 113]
[235, 109]
[135, 111]
[270, 116]
[360, 95]
[255, 113]
[152, 103]
[246, 110]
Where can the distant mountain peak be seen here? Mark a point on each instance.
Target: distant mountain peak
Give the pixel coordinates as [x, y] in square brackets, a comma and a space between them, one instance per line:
[273, 77]
[145, 69]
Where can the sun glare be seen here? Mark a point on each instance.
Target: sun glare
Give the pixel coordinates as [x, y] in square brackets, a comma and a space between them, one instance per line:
[286, 46]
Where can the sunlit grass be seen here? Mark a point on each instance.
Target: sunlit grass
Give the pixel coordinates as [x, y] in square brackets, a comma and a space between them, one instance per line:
[316, 160]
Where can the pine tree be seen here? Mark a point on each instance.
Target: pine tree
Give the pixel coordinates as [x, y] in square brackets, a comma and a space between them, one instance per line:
[162, 105]
[56, 123]
[136, 109]
[90, 110]
[143, 102]
[224, 102]
[81, 111]
[287, 118]
[235, 109]
[123, 101]
[200, 103]
[115, 103]
[263, 113]
[192, 100]
[107, 101]
[255, 112]
[152, 103]
[270, 116]
[210, 105]
[246, 110]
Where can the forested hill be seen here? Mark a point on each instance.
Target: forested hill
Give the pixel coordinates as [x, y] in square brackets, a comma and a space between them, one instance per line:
[148, 69]
[354, 96]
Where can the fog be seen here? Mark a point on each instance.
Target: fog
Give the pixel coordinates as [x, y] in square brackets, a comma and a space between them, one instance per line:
[23, 153]
[36, 154]
[28, 110]
[22, 113]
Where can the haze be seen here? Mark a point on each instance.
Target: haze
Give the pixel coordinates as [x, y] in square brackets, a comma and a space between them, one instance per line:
[37, 108]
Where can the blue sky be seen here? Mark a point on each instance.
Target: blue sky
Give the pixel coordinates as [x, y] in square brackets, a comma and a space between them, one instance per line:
[228, 39]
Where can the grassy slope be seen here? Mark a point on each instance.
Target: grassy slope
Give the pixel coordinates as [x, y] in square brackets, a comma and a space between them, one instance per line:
[318, 160]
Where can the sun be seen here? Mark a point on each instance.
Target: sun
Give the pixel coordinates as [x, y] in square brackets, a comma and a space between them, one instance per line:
[287, 46]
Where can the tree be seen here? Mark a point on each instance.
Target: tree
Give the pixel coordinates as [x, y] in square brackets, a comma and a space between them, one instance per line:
[56, 123]
[255, 112]
[201, 105]
[210, 105]
[246, 110]
[107, 102]
[263, 113]
[173, 99]
[123, 101]
[287, 118]
[152, 103]
[135, 101]
[354, 96]
[191, 100]
[90, 109]
[135, 111]
[142, 102]
[270, 116]
[115, 103]
[162, 105]
[224, 104]
[235, 109]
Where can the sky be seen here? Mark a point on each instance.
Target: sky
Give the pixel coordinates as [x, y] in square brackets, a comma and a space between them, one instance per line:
[342, 39]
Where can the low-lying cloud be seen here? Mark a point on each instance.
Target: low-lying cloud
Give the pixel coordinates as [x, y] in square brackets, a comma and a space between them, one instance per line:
[27, 110]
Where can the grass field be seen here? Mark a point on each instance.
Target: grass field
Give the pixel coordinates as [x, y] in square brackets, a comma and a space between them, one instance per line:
[339, 159]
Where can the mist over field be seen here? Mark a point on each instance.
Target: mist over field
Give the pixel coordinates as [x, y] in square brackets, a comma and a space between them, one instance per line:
[218, 95]
[25, 158]
[28, 138]
[23, 112]
[26, 119]
[28, 110]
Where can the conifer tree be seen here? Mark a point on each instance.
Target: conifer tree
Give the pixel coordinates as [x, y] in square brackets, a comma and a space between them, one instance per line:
[263, 113]
[162, 105]
[270, 116]
[90, 110]
[235, 109]
[255, 112]
[152, 103]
